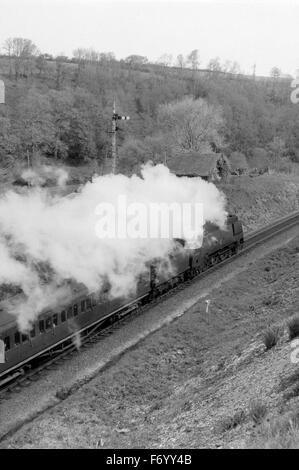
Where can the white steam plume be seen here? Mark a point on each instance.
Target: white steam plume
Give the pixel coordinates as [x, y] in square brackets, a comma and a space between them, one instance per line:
[37, 229]
[45, 174]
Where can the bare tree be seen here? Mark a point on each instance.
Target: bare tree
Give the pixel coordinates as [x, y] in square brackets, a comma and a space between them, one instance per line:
[231, 67]
[275, 73]
[20, 51]
[165, 59]
[79, 54]
[106, 57]
[214, 65]
[193, 59]
[83, 55]
[181, 61]
[136, 60]
[191, 125]
[8, 48]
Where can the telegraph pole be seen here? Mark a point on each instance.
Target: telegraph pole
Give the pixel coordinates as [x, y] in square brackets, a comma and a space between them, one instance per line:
[114, 129]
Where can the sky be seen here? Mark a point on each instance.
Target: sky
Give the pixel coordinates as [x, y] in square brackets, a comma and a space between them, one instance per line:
[250, 32]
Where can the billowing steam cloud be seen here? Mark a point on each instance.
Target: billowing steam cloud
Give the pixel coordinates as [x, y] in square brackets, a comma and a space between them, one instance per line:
[46, 241]
[45, 174]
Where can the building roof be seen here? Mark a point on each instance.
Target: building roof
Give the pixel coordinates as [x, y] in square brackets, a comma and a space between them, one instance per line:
[193, 163]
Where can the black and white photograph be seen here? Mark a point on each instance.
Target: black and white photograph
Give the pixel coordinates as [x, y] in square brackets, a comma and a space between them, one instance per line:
[149, 227]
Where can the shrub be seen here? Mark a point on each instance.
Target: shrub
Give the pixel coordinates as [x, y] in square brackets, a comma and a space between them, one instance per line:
[271, 337]
[62, 393]
[257, 411]
[293, 327]
[230, 422]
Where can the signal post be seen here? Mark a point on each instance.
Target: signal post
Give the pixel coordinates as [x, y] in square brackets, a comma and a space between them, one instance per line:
[115, 118]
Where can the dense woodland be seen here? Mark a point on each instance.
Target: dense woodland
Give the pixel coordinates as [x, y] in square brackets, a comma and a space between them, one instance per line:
[61, 108]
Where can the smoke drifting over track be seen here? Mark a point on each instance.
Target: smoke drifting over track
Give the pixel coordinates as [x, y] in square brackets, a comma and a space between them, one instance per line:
[47, 241]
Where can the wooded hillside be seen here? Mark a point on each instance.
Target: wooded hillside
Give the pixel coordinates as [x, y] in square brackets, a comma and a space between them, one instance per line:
[61, 109]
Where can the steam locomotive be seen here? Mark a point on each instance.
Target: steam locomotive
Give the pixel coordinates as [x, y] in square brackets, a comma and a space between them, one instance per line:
[54, 331]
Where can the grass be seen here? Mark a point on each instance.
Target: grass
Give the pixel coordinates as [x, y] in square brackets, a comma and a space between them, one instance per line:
[271, 337]
[279, 433]
[257, 411]
[293, 327]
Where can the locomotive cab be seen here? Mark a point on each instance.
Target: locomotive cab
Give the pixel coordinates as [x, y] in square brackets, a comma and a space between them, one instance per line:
[236, 224]
[237, 229]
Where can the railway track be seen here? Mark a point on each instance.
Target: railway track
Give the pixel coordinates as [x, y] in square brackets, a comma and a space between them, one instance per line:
[271, 230]
[105, 328]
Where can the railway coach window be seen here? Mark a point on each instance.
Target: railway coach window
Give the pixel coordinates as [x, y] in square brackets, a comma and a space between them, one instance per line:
[69, 312]
[63, 316]
[25, 338]
[55, 319]
[17, 338]
[7, 343]
[83, 306]
[75, 310]
[88, 303]
[48, 323]
[42, 326]
[32, 332]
